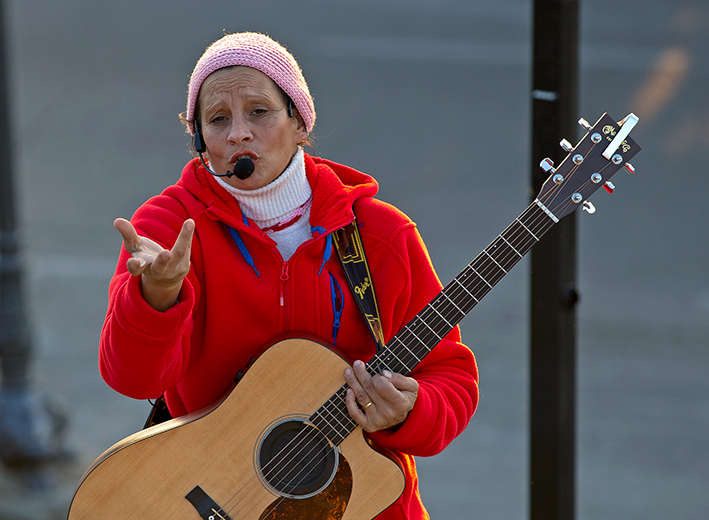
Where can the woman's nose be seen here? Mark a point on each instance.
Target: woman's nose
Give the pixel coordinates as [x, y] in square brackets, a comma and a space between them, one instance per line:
[240, 131]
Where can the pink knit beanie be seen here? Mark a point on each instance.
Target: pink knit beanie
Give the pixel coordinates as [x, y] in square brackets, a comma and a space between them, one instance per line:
[259, 52]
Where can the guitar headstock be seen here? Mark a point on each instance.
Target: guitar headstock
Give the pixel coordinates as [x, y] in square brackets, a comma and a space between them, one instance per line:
[605, 149]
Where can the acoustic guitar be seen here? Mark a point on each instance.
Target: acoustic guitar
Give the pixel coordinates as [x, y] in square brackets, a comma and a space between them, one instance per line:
[302, 456]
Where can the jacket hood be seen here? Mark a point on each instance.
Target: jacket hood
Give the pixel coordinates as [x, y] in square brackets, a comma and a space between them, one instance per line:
[335, 190]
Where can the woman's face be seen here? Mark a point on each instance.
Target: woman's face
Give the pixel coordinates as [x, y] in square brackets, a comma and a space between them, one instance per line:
[242, 112]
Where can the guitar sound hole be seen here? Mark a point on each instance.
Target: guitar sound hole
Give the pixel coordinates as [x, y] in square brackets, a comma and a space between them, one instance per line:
[295, 460]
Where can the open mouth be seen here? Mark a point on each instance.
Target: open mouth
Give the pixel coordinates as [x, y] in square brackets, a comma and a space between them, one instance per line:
[249, 155]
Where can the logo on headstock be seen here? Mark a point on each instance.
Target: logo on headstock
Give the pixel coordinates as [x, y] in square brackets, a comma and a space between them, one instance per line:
[610, 132]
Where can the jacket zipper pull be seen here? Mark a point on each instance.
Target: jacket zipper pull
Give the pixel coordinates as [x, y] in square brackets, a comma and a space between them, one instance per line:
[284, 279]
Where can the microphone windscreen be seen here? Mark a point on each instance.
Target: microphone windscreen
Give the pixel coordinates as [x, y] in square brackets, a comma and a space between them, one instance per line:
[243, 168]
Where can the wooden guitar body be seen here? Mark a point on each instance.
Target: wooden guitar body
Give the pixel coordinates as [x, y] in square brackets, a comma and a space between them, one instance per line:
[207, 464]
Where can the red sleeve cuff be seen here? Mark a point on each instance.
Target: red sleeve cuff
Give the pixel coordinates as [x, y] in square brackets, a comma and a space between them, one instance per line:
[146, 324]
[412, 436]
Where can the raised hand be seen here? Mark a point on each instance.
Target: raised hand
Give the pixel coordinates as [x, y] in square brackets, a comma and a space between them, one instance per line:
[161, 270]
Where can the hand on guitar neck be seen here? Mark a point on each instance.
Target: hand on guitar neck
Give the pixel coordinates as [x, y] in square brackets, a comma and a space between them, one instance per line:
[381, 401]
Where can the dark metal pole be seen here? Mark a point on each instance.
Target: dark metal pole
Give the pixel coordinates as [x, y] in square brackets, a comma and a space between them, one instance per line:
[14, 337]
[24, 443]
[553, 279]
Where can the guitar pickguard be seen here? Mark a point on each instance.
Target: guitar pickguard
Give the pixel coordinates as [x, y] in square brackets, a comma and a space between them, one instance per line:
[330, 504]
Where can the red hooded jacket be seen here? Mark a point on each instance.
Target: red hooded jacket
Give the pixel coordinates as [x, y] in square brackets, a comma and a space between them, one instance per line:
[240, 287]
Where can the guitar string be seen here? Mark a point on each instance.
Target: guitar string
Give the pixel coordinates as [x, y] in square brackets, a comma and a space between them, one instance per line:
[414, 333]
[256, 485]
[516, 256]
[486, 279]
[512, 242]
[301, 437]
[338, 420]
[485, 275]
[302, 469]
[508, 263]
[536, 226]
[276, 498]
[511, 239]
[338, 396]
[296, 451]
[294, 445]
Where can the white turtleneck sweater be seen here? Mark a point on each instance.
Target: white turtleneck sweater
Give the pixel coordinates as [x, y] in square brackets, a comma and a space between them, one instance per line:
[278, 202]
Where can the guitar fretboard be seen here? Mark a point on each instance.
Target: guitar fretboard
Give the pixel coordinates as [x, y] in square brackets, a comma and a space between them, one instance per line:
[443, 313]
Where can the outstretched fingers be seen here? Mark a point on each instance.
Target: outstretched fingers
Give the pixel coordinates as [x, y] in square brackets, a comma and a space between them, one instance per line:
[132, 243]
[161, 270]
[148, 257]
[131, 240]
[183, 244]
[176, 262]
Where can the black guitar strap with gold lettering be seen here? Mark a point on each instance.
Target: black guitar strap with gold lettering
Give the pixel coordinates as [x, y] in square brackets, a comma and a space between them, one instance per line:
[348, 244]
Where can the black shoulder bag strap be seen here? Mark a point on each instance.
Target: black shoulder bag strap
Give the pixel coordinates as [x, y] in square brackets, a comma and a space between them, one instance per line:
[348, 244]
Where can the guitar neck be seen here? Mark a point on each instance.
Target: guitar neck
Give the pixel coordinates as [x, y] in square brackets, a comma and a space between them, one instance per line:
[464, 292]
[444, 312]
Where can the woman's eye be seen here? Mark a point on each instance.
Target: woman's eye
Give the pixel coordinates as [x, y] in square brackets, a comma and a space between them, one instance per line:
[217, 119]
[259, 111]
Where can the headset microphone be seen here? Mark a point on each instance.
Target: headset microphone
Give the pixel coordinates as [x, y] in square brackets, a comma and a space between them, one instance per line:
[243, 168]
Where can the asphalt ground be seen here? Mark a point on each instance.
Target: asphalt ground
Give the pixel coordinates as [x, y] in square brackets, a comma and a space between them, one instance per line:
[432, 97]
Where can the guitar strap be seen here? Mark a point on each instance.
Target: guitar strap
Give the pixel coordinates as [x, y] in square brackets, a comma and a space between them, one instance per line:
[348, 244]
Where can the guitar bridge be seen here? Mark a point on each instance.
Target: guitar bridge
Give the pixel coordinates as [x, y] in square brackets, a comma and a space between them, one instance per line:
[205, 506]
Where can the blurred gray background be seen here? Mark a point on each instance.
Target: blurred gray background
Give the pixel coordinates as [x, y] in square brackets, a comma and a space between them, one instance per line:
[432, 97]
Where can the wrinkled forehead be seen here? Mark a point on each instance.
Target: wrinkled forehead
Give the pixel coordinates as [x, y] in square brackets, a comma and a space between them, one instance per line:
[238, 82]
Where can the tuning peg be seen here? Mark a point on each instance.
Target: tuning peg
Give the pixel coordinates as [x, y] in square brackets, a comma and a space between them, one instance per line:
[630, 168]
[547, 165]
[609, 186]
[585, 124]
[566, 145]
[588, 207]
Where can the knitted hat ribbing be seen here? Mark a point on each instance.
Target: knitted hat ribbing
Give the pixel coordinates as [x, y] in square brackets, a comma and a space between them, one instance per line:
[259, 52]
